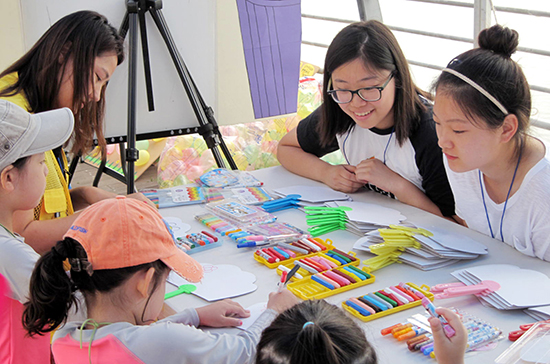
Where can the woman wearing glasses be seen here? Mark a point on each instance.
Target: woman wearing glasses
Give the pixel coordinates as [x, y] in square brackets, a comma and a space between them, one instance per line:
[380, 120]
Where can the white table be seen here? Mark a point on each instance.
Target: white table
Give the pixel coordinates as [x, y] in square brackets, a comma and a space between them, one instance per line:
[388, 349]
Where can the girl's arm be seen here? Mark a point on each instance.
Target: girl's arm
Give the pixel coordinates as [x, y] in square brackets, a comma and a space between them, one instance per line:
[85, 196]
[41, 235]
[296, 160]
[375, 172]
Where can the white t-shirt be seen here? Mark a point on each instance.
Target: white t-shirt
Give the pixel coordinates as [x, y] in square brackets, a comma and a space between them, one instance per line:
[17, 260]
[526, 224]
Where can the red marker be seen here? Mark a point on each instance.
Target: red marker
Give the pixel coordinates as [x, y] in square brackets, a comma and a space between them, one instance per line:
[282, 282]
[210, 235]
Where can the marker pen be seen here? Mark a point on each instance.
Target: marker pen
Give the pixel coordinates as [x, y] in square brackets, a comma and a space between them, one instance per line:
[293, 248]
[286, 269]
[210, 235]
[343, 275]
[251, 244]
[429, 306]
[266, 256]
[282, 282]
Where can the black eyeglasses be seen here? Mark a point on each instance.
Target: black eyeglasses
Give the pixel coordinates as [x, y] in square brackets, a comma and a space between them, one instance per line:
[366, 93]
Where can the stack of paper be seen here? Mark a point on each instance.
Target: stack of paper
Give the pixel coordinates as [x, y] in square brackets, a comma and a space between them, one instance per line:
[539, 313]
[435, 248]
[312, 195]
[365, 217]
[519, 288]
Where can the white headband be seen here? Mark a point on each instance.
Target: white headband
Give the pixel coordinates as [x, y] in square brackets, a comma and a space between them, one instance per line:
[477, 87]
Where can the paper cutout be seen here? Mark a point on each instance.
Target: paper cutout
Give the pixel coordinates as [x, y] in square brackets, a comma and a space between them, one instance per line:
[219, 282]
[520, 288]
[368, 213]
[453, 241]
[312, 193]
[255, 312]
[540, 313]
[179, 228]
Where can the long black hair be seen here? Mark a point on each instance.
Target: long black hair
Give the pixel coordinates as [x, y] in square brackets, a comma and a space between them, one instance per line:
[314, 331]
[492, 68]
[52, 290]
[81, 36]
[374, 44]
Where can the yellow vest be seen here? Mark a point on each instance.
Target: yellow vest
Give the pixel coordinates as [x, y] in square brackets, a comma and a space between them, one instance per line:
[56, 201]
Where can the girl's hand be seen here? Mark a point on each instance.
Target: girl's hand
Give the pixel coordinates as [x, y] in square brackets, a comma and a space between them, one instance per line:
[342, 178]
[377, 173]
[448, 350]
[281, 301]
[224, 313]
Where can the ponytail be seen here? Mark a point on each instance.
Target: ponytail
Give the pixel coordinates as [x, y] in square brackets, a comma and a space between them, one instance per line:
[52, 288]
[51, 291]
[314, 331]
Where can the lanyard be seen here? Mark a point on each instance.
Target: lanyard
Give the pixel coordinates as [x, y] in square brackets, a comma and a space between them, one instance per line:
[505, 202]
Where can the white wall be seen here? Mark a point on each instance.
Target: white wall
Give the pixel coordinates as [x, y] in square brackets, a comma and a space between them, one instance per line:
[234, 103]
[11, 36]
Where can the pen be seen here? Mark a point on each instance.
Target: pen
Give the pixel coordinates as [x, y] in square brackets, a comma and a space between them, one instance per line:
[449, 331]
[291, 273]
[283, 268]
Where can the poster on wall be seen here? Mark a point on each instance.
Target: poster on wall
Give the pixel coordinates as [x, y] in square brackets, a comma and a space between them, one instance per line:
[272, 34]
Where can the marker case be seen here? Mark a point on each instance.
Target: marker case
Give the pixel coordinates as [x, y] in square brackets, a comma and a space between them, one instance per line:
[289, 262]
[304, 273]
[424, 289]
[308, 288]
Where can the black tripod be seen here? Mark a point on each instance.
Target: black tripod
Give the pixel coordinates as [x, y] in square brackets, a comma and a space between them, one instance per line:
[135, 11]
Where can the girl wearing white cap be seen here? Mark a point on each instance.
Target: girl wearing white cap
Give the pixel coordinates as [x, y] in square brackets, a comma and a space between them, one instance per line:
[499, 174]
[23, 140]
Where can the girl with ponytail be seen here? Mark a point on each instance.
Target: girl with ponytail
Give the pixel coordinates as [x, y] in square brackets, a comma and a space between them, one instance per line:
[120, 251]
[499, 173]
[317, 332]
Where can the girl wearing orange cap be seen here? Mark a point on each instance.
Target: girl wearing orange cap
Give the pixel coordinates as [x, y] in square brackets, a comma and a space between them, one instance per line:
[121, 252]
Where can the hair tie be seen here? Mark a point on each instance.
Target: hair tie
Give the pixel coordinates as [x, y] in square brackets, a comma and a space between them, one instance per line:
[307, 324]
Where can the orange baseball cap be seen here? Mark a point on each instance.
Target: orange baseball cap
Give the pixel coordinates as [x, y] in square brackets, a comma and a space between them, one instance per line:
[123, 232]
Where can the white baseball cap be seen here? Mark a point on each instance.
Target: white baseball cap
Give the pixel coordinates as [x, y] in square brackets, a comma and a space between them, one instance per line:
[23, 134]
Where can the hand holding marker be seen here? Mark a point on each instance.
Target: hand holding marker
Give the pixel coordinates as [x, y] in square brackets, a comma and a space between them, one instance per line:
[286, 276]
[429, 306]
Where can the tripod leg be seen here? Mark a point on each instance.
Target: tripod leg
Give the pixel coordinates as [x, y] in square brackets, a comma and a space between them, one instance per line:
[213, 137]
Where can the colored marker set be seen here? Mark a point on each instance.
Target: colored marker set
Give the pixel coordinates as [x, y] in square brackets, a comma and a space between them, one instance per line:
[195, 242]
[175, 196]
[272, 256]
[239, 214]
[331, 282]
[320, 262]
[387, 301]
[246, 195]
[417, 333]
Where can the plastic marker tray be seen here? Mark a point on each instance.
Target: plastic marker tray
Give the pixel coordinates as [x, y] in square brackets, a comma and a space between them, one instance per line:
[304, 273]
[327, 243]
[308, 289]
[424, 289]
[200, 248]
